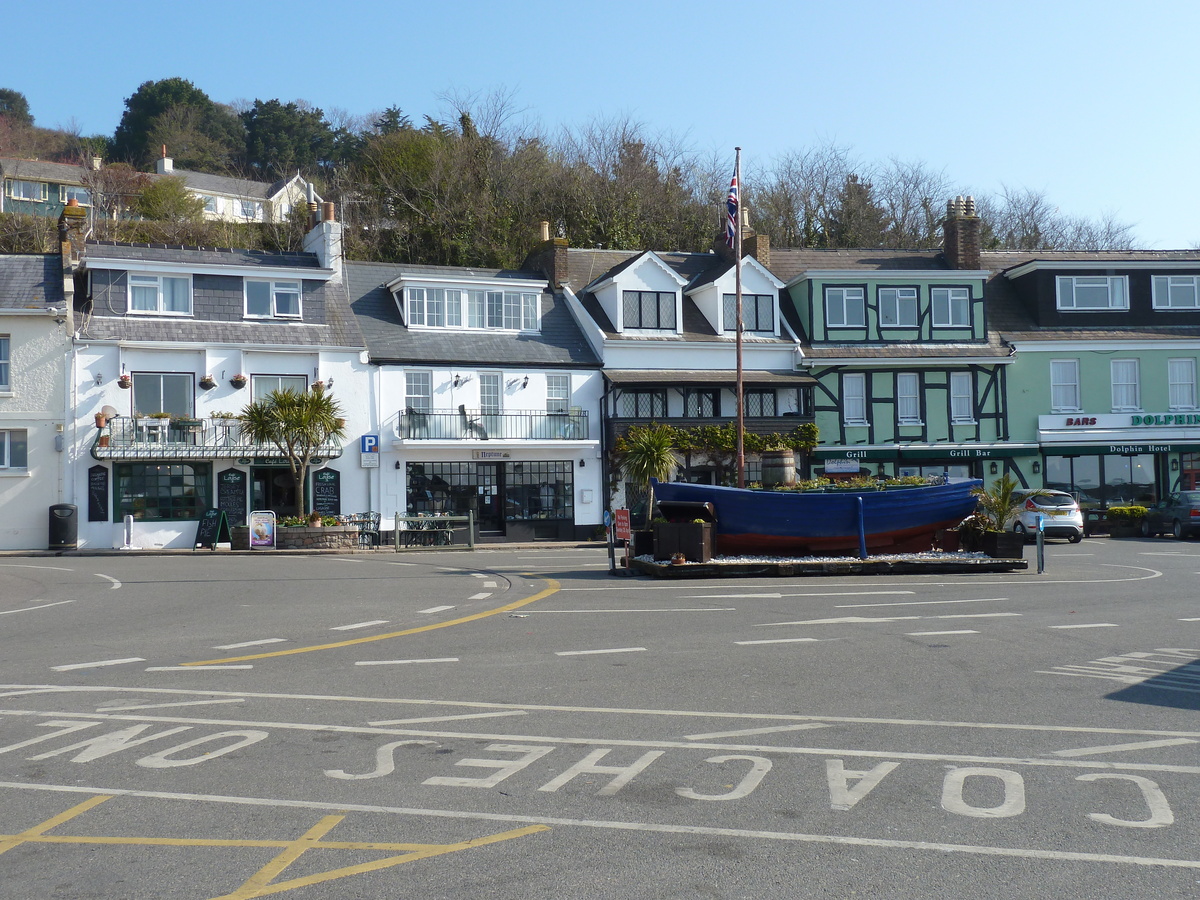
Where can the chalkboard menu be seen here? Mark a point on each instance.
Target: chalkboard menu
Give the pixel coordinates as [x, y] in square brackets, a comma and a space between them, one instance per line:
[211, 529]
[327, 492]
[231, 495]
[98, 494]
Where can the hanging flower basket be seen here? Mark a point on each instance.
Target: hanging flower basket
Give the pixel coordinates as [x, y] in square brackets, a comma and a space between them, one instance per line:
[125, 382]
[238, 381]
[208, 382]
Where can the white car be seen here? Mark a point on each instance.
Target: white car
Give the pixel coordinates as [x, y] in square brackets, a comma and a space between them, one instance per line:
[1059, 511]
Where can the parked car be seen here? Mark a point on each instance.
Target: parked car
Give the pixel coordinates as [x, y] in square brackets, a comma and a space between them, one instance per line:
[1061, 514]
[1178, 515]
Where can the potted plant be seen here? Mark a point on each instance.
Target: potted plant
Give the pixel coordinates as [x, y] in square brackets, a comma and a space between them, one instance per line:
[239, 381]
[125, 382]
[996, 507]
[208, 382]
[1126, 521]
[101, 420]
[647, 453]
[318, 386]
[314, 519]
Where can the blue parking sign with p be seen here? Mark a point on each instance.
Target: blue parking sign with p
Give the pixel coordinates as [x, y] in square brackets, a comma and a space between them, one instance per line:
[369, 443]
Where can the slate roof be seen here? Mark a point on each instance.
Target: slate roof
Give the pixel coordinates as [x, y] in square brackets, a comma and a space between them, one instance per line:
[207, 256]
[37, 170]
[560, 344]
[583, 270]
[787, 263]
[30, 281]
[206, 183]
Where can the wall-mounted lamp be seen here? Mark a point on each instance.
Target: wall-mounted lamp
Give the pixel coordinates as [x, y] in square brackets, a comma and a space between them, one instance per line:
[993, 467]
[457, 381]
[1037, 467]
[581, 462]
[397, 464]
[1174, 465]
[98, 377]
[329, 381]
[525, 383]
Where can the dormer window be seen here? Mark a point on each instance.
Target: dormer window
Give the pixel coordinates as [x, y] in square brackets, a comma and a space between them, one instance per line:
[651, 310]
[429, 307]
[160, 294]
[272, 299]
[758, 313]
[844, 307]
[1093, 292]
[898, 307]
[951, 307]
[1176, 292]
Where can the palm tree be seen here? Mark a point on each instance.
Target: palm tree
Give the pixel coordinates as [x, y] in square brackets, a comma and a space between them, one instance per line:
[648, 452]
[299, 423]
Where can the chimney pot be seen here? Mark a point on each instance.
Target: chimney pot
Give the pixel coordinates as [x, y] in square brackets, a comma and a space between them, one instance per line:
[545, 230]
[327, 212]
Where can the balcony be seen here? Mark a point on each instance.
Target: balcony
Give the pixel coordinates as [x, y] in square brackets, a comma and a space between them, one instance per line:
[476, 425]
[217, 438]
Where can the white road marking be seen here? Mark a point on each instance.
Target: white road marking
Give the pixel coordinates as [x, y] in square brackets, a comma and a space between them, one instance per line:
[624, 827]
[359, 625]
[779, 641]
[482, 596]
[1121, 748]
[398, 662]
[92, 665]
[860, 620]
[748, 731]
[1090, 625]
[9, 612]
[129, 706]
[251, 644]
[804, 594]
[402, 564]
[434, 609]
[932, 633]
[478, 575]
[488, 715]
[115, 584]
[1189, 620]
[26, 566]
[194, 668]
[918, 603]
[490, 584]
[591, 652]
[663, 609]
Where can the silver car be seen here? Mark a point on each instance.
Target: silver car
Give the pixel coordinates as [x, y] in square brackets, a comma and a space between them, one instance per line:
[1058, 510]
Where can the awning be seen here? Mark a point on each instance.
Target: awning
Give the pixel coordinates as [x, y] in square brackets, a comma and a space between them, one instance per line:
[706, 376]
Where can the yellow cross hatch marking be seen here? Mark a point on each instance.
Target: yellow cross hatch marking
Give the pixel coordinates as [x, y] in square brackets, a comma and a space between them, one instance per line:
[541, 595]
[261, 883]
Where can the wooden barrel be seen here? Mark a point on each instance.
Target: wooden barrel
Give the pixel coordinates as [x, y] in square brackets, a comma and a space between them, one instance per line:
[778, 468]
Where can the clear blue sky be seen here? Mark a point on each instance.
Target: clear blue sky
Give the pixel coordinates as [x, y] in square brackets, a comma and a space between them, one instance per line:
[1094, 103]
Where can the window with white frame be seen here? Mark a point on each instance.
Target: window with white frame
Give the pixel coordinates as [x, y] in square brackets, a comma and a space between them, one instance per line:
[758, 313]
[14, 449]
[1125, 392]
[898, 307]
[1181, 375]
[262, 385]
[951, 307]
[1088, 292]
[418, 391]
[845, 307]
[854, 399]
[250, 209]
[1176, 291]
[430, 307]
[162, 294]
[163, 392]
[210, 204]
[962, 398]
[76, 192]
[489, 393]
[653, 310]
[908, 398]
[5, 362]
[272, 299]
[1064, 385]
[558, 394]
[19, 189]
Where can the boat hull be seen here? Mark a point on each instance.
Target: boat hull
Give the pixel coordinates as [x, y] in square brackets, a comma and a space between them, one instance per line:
[812, 523]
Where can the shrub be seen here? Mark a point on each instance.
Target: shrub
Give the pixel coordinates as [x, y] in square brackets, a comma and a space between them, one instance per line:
[1126, 515]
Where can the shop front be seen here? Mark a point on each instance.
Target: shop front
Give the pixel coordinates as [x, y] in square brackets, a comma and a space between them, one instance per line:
[1120, 459]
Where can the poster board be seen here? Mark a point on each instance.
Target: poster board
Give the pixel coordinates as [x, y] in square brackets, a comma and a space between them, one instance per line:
[262, 529]
[98, 494]
[327, 492]
[212, 528]
[231, 495]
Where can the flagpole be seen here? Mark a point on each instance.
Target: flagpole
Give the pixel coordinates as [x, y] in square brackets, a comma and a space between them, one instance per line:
[737, 267]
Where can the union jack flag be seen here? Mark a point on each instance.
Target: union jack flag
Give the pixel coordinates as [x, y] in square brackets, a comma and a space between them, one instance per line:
[731, 213]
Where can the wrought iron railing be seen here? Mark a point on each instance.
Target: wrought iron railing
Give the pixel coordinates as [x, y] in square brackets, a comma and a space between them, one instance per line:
[145, 437]
[474, 424]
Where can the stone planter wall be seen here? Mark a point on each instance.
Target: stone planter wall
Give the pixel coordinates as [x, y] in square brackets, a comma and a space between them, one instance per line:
[335, 537]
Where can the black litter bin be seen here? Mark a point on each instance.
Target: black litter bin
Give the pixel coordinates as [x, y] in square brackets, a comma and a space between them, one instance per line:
[64, 527]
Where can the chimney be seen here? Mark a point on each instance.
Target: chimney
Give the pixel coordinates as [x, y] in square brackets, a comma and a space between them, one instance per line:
[758, 246]
[549, 257]
[325, 240]
[752, 242]
[165, 165]
[97, 163]
[962, 234]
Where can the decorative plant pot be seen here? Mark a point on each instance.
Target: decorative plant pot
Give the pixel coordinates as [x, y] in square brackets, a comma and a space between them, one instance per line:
[104, 440]
[947, 540]
[778, 467]
[238, 382]
[125, 382]
[1125, 529]
[208, 382]
[642, 543]
[101, 420]
[1003, 544]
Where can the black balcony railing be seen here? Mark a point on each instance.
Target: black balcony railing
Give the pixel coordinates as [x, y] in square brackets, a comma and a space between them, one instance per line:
[144, 437]
[477, 425]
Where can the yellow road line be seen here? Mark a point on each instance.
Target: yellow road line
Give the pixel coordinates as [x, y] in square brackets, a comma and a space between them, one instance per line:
[259, 880]
[8, 841]
[541, 595]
